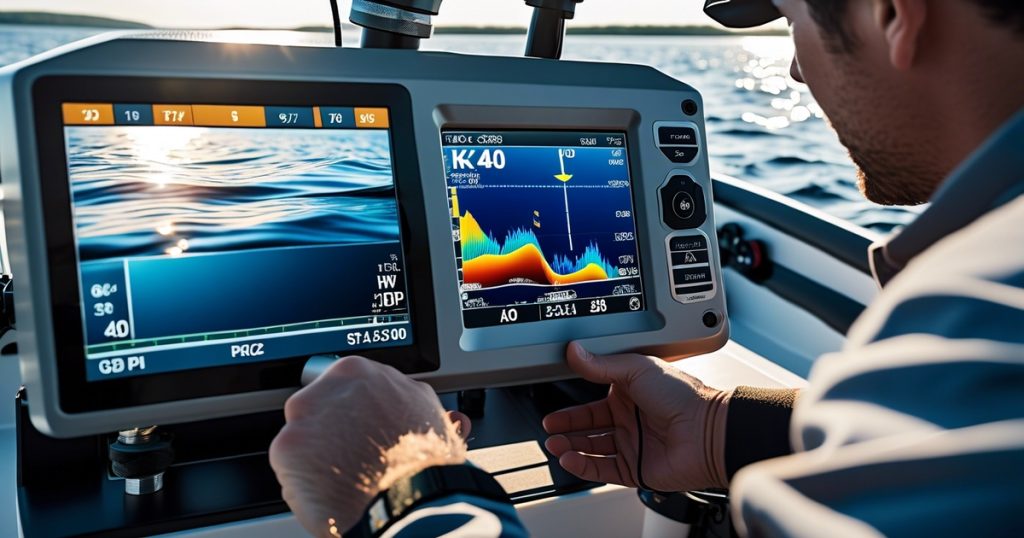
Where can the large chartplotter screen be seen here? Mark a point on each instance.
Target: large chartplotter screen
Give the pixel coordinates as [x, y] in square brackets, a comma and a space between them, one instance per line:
[543, 225]
[211, 235]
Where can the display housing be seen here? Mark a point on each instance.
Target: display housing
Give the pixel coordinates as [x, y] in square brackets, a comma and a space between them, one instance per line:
[202, 244]
[425, 94]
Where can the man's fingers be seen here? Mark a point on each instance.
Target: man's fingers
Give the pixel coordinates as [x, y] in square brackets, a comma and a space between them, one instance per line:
[592, 416]
[604, 369]
[595, 445]
[595, 468]
[463, 426]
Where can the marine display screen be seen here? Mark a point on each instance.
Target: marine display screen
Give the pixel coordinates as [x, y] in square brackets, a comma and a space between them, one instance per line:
[543, 225]
[214, 235]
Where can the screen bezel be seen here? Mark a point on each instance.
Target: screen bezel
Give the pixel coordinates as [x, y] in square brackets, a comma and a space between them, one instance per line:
[78, 395]
[628, 147]
[537, 118]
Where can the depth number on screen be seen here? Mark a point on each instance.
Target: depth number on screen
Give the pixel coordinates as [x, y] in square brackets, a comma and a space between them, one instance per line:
[467, 159]
[377, 336]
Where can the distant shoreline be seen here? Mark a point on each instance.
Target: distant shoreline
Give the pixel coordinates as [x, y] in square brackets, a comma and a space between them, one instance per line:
[34, 18]
[38, 18]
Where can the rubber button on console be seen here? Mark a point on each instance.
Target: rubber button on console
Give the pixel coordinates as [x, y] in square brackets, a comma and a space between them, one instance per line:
[681, 154]
[693, 242]
[697, 275]
[690, 257]
[677, 136]
[682, 202]
[683, 205]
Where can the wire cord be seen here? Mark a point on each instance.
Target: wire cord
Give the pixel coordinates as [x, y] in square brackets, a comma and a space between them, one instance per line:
[640, 455]
[337, 23]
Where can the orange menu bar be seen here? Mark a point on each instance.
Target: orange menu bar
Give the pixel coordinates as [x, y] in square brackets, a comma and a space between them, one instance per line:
[88, 113]
[372, 118]
[172, 115]
[229, 116]
[275, 116]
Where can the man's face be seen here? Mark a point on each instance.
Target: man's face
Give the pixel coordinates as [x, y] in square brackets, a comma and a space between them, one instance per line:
[868, 104]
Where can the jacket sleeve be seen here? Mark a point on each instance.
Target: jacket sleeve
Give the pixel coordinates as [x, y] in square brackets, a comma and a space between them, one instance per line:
[917, 427]
[757, 427]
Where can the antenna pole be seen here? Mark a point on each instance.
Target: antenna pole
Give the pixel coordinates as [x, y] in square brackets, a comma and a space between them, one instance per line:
[547, 29]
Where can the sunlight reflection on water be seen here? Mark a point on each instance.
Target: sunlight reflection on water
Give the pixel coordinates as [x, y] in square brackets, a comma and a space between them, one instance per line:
[763, 126]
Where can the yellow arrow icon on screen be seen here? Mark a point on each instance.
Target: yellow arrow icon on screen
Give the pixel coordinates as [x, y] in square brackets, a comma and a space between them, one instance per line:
[563, 177]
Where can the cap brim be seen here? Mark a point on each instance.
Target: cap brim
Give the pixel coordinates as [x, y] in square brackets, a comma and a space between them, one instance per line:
[742, 13]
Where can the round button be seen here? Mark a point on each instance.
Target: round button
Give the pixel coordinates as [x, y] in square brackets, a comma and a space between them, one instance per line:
[710, 319]
[683, 205]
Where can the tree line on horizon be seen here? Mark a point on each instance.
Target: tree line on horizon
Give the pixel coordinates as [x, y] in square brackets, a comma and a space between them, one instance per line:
[63, 19]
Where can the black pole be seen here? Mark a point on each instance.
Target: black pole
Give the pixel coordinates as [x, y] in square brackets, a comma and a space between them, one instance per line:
[547, 33]
[380, 39]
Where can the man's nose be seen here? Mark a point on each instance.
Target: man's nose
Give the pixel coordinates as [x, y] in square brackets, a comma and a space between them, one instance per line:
[794, 71]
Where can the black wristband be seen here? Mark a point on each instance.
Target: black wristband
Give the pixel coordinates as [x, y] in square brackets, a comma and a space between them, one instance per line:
[413, 491]
[757, 427]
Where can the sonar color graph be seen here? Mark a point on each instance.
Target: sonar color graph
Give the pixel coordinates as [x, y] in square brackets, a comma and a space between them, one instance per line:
[542, 224]
[519, 259]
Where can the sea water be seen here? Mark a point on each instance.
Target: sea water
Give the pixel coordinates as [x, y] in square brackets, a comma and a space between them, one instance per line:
[763, 126]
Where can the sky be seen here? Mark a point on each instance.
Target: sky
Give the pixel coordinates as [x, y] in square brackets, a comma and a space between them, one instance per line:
[294, 13]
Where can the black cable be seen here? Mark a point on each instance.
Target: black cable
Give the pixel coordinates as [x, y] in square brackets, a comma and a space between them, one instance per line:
[337, 23]
[640, 455]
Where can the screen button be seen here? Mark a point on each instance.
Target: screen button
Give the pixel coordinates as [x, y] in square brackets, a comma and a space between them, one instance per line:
[372, 118]
[681, 154]
[228, 116]
[88, 113]
[679, 244]
[689, 257]
[677, 136]
[696, 275]
[332, 117]
[492, 317]
[133, 114]
[682, 202]
[290, 116]
[683, 205]
[172, 115]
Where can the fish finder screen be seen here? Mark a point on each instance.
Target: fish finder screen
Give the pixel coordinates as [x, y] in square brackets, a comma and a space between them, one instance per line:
[222, 235]
[543, 225]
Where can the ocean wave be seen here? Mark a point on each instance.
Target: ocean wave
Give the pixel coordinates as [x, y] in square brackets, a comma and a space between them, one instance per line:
[156, 191]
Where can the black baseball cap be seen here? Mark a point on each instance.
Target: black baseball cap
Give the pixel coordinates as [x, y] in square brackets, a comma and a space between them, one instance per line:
[741, 13]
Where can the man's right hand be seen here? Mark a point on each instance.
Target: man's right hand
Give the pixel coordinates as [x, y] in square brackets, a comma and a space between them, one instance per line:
[683, 426]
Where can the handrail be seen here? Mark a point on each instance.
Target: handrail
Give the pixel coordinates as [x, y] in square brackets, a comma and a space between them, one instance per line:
[841, 239]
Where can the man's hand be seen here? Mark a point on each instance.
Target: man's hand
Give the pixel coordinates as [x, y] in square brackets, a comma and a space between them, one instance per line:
[683, 426]
[351, 434]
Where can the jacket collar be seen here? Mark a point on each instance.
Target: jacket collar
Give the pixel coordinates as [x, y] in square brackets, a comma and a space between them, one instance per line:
[989, 178]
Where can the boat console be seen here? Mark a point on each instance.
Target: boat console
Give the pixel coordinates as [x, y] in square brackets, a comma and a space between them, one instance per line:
[187, 233]
[190, 220]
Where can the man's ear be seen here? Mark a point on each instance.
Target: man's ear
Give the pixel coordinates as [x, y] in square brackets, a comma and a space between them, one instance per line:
[901, 22]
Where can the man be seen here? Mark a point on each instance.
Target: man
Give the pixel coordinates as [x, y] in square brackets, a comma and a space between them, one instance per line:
[916, 428]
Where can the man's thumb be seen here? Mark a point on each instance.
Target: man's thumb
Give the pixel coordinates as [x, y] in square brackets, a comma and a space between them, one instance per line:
[603, 369]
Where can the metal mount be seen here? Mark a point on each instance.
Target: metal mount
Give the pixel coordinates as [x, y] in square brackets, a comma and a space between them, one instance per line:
[141, 456]
[396, 24]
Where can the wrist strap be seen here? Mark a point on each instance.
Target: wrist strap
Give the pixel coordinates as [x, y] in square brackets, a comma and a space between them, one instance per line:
[411, 492]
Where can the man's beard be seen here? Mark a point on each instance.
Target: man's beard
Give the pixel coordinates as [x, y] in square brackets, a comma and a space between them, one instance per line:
[885, 178]
[890, 172]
